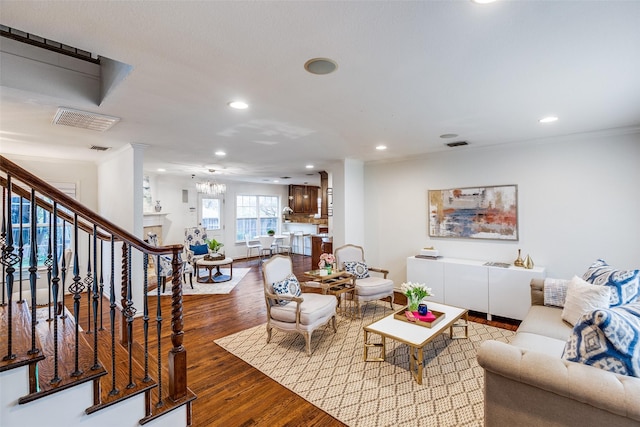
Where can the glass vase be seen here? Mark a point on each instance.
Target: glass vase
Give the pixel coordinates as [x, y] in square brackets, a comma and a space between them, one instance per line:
[413, 301]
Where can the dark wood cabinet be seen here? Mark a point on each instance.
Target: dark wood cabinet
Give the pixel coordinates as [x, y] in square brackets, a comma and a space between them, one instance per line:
[304, 199]
[320, 245]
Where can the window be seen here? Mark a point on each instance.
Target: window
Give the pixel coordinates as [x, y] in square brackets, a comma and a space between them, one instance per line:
[42, 227]
[255, 215]
[210, 208]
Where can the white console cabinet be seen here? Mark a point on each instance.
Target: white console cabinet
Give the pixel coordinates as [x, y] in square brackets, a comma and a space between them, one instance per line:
[471, 284]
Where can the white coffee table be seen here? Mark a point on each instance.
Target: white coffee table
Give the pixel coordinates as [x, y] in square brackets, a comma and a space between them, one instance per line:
[416, 337]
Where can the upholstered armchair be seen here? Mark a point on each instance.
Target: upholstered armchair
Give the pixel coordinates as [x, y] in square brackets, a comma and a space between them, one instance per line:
[288, 308]
[164, 268]
[195, 244]
[368, 287]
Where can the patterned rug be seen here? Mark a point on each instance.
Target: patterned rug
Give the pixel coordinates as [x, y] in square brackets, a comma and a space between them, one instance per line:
[337, 380]
[208, 288]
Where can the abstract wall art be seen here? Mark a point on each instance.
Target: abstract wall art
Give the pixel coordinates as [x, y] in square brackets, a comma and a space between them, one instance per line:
[474, 212]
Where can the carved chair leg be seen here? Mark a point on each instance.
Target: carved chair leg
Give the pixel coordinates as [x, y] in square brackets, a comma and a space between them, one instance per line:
[333, 323]
[268, 334]
[307, 337]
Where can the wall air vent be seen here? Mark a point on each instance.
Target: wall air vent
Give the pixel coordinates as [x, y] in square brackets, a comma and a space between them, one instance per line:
[456, 144]
[99, 148]
[84, 119]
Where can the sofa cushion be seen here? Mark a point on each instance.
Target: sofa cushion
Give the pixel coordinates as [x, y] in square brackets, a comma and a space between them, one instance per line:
[545, 321]
[534, 342]
[555, 291]
[624, 284]
[608, 339]
[583, 297]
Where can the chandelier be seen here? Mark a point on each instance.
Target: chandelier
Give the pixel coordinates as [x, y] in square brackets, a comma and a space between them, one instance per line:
[212, 188]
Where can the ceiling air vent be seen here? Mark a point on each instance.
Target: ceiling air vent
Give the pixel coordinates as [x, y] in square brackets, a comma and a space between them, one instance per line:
[84, 119]
[456, 144]
[99, 148]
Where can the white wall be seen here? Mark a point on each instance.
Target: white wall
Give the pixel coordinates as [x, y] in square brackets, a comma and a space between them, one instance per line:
[578, 200]
[168, 189]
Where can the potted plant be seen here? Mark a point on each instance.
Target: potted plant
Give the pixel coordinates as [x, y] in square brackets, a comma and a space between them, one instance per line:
[271, 232]
[214, 245]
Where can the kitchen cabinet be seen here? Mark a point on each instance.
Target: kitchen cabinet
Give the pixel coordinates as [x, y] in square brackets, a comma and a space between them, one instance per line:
[303, 199]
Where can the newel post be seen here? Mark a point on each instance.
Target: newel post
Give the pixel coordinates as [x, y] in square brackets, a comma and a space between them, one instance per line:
[178, 354]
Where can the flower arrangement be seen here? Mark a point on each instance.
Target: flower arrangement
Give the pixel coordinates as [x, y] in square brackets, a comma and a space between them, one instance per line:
[326, 260]
[214, 245]
[415, 293]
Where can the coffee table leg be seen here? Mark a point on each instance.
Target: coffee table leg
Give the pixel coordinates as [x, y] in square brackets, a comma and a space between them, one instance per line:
[416, 359]
[367, 345]
[464, 325]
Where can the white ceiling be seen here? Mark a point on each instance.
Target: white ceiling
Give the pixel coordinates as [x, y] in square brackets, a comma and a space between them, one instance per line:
[407, 73]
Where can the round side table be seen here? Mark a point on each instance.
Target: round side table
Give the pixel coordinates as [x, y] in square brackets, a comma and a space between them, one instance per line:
[216, 277]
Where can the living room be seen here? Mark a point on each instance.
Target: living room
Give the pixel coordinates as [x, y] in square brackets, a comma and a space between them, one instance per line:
[577, 179]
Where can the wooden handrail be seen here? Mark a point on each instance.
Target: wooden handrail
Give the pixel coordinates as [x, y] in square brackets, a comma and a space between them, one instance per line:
[83, 212]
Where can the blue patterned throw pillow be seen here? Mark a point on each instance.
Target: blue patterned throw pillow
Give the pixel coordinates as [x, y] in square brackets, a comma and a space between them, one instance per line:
[625, 284]
[199, 249]
[357, 268]
[607, 339]
[289, 287]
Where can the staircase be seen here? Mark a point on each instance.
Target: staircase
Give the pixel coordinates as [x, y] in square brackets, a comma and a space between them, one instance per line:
[102, 349]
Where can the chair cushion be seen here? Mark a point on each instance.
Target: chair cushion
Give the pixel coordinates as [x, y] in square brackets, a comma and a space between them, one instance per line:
[312, 309]
[289, 286]
[373, 286]
[199, 249]
[357, 268]
[608, 339]
[624, 284]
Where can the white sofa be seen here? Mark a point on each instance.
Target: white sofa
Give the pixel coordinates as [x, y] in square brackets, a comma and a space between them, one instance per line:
[527, 383]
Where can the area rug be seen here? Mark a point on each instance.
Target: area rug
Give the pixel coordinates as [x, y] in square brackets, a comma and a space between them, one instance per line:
[208, 288]
[337, 380]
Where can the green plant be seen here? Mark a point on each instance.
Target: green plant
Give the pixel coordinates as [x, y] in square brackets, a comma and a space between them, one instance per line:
[214, 245]
[271, 232]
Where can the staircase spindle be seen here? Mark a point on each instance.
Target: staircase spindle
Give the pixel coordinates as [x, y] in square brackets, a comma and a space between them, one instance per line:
[112, 316]
[55, 287]
[3, 235]
[96, 364]
[64, 269]
[130, 311]
[178, 354]
[33, 268]
[88, 281]
[101, 282]
[76, 288]
[49, 264]
[145, 318]
[160, 402]
[9, 259]
[20, 253]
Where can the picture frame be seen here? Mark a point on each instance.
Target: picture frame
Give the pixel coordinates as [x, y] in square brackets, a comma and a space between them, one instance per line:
[489, 212]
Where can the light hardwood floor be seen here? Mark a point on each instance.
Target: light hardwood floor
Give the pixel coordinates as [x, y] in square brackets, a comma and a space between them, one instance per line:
[230, 392]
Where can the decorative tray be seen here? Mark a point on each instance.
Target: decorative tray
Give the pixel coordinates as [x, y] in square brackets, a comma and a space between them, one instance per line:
[214, 257]
[399, 315]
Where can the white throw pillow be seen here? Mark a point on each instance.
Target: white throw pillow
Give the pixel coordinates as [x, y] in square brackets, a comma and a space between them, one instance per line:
[582, 298]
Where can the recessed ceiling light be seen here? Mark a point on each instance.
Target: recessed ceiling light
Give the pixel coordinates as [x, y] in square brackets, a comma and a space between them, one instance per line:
[161, 170]
[275, 180]
[320, 66]
[483, 1]
[309, 166]
[381, 147]
[220, 153]
[448, 135]
[548, 119]
[238, 105]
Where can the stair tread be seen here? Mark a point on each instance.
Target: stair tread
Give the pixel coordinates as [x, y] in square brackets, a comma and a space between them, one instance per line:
[21, 337]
